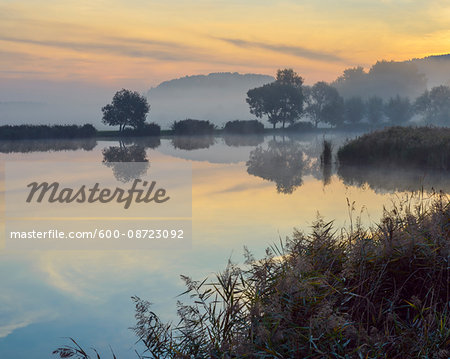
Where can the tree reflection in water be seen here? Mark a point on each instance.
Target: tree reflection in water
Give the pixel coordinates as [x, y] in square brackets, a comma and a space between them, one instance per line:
[127, 162]
[282, 163]
[192, 142]
[243, 140]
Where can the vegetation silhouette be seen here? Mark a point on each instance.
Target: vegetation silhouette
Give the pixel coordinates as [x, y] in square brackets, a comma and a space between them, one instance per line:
[146, 129]
[27, 132]
[326, 158]
[281, 100]
[191, 127]
[190, 143]
[127, 162]
[244, 127]
[324, 104]
[49, 145]
[434, 106]
[127, 109]
[374, 109]
[355, 109]
[282, 163]
[379, 292]
[385, 79]
[398, 110]
[420, 147]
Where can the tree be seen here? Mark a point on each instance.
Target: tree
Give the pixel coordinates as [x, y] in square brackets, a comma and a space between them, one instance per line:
[354, 109]
[281, 100]
[374, 109]
[434, 105]
[128, 108]
[398, 110]
[324, 104]
[289, 77]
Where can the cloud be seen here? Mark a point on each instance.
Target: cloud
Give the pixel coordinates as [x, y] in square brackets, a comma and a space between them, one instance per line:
[297, 51]
[133, 48]
[122, 47]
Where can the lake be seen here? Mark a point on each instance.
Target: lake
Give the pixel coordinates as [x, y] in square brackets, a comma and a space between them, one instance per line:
[246, 191]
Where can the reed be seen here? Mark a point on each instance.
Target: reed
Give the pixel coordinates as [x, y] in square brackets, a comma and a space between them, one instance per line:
[381, 292]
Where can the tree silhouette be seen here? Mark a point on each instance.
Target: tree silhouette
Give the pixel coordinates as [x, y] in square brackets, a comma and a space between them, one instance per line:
[289, 77]
[398, 110]
[354, 109]
[281, 101]
[375, 108]
[324, 104]
[281, 162]
[128, 108]
[434, 105]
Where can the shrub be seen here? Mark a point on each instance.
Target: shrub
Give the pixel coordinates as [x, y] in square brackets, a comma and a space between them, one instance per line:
[45, 131]
[244, 127]
[192, 127]
[147, 129]
[405, 146]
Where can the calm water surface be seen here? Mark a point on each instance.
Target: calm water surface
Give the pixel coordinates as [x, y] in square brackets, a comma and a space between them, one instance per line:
[245, 191]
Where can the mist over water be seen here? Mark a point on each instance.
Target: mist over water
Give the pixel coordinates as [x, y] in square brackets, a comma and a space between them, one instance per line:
[217, 97]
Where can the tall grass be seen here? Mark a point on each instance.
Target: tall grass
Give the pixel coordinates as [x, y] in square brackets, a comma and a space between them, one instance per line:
[381, 292]
[425, 147]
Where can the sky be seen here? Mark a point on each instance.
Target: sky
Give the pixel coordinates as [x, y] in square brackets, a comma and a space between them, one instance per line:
[138, 44]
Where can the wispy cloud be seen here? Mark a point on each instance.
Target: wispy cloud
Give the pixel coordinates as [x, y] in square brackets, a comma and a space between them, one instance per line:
[297, 51]
[119, 46]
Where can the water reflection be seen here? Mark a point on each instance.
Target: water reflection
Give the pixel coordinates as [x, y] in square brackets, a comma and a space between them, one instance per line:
[145, 142]
[192, 142]
[127, 162]
[389, 179]
[327, 172]
[26, 146]
[243, 140]
[282, 162]
[88, 292]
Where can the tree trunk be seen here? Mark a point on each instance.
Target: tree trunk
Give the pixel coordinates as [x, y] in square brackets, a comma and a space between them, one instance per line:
[274, 125]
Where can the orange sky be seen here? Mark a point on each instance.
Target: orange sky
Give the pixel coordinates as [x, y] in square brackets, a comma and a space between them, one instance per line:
[146, 42]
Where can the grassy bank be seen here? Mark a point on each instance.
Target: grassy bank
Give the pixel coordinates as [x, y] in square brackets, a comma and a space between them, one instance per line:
[362, 293]
[33, 132]
[424, 147]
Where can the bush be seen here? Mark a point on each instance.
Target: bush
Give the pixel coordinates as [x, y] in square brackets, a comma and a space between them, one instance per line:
[44, 131]
[148, 129]
[377, 293]
[424, 147]
[244, 127]
[192, 127]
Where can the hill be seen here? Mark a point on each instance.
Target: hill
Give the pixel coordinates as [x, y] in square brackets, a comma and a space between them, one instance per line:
[218, 97]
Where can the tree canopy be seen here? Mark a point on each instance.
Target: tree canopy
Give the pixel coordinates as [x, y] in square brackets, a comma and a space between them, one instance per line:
[434, 105]
[324, 104]
[281, 101]
[128, 108]
[398, 110]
